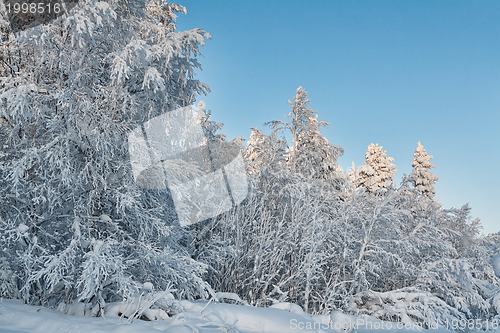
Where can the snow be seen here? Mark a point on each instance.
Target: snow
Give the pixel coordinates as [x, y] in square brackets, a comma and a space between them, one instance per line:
[229, 296]
[22, 229]
[198, 317]
[495, 262]
[421, 178]
[202, 317]
[378, 171]
[79, 226]
[290, 307]
[148, 286]
[105, 218]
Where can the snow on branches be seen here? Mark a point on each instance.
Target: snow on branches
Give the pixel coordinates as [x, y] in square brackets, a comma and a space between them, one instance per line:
[376, 175]
[421, 178]
[70, 92]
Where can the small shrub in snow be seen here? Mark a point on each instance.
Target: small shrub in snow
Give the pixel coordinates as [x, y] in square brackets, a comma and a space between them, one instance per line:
[407, 306]
[146, 306]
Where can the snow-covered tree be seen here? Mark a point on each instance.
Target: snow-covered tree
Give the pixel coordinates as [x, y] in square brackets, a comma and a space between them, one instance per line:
[376, 175]
[390, 256]
[75, 227]
[73, 224]
[310, 153]
[264, 151]
[421, 178]
[255, 151]
[353, 174]
[220, 150]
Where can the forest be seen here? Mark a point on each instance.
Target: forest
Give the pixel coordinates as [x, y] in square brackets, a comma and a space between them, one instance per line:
[77, 229]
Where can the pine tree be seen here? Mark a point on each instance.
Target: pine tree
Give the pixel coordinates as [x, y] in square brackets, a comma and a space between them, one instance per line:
[378, 171]
[311, 153]
[74, 226]
[422, 180]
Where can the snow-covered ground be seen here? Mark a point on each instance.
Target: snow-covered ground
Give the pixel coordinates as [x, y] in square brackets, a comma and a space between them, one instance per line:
[15, 317]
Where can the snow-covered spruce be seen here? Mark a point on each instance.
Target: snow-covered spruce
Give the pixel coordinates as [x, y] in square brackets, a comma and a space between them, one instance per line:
[376, 175]
[421, 178]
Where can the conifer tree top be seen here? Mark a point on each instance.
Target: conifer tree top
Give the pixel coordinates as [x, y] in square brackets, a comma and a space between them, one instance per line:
[378, 171]
[421, 179]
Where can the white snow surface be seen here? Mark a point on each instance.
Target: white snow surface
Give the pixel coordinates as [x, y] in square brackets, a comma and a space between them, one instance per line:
[200, 317]
[15, 317]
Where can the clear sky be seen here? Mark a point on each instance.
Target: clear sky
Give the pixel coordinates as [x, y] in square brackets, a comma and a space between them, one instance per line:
[387, 72]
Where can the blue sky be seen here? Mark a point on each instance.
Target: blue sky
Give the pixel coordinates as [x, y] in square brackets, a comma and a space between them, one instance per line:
[387, 72]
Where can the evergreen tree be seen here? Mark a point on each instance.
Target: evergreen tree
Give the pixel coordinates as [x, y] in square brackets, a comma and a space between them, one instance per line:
[422, 180]
[311, 153]
[378, 171]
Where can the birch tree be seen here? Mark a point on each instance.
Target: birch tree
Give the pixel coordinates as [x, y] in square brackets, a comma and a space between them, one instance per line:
[74, 224]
